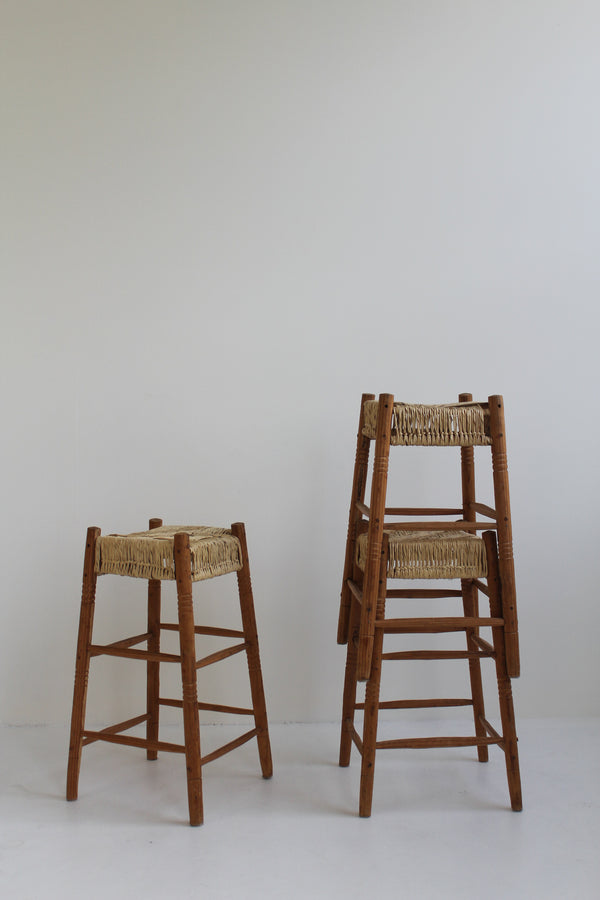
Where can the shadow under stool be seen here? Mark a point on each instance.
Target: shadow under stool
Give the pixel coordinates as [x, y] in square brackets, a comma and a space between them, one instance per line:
[184, 554]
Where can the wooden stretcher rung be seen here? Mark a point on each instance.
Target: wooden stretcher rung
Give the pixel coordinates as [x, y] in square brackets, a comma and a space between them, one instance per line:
[422, 511]
[355, 590]
[419, 704]
[227, 748]
[481, 587]
[204, 629]
[146, 655]
[425, 743]
[436, 625]
[440, 526]
[219, 655]
[421, 593]
[412, 510]
[129, 642]
[492, 731]
[210, 707]
[142, 743]
[357, 740]
[438, 654]
[485, 647]
[115, 729]
[483, 509]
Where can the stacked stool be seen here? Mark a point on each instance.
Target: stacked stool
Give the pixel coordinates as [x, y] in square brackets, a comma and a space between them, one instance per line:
[425, 545]
[184, 554]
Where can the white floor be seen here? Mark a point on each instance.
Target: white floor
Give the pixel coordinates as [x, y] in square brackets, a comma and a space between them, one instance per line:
[441, 825]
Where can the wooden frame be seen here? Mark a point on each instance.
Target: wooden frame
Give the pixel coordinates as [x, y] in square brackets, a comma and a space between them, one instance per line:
[189, 663]
[363, 623]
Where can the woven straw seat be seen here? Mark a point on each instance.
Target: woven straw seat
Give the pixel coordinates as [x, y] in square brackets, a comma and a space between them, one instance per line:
[442, 425]
[149, 554]
[430, 554]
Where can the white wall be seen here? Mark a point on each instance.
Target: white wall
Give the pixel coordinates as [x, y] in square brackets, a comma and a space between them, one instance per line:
[223, 221]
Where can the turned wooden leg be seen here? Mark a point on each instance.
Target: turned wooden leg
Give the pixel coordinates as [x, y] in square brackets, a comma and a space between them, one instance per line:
[507, 713]
[470, 593]
[187, 643]
[471, 608]
[252, 654]
[153, 667]
[82, 665]
[504, 549]
[367, 773]
[350, 685]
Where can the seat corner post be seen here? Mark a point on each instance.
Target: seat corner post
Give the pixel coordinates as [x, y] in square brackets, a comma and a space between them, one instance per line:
[187, 643]
[505, 547]
[82, 663]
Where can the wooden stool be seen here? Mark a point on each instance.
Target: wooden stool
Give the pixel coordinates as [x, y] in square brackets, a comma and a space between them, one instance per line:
[184, 554]
[378, 549]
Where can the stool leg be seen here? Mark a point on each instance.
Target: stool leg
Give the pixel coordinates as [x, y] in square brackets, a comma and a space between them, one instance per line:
[470, 593]
[350, 683]
[252, 654]
[82, 664]
[471, 609]
[507, 713]
[153, 667]
[367, 772]
[187, 642]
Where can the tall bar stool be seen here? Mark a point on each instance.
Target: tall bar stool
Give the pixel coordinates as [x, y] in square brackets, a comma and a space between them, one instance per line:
[427, 546]
[184, 554]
